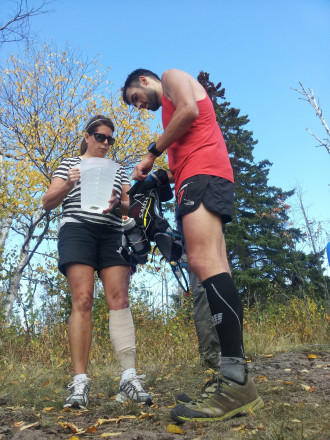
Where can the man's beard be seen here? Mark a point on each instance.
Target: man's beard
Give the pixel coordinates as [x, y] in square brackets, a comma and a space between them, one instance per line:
[153, 100]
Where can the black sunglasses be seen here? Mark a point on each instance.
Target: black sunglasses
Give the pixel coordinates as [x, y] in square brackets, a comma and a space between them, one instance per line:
[99, 137]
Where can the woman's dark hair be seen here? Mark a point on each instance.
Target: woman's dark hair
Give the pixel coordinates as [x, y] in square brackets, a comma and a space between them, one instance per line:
[92, 126]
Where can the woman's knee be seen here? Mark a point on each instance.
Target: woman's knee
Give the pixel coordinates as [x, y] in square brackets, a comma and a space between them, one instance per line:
[82, 302]
[117, 299]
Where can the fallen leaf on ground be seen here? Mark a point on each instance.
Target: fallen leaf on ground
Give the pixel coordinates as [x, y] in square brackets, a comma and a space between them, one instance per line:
[145, 415]
[311, 356]
[110, 434]
[19, 424]
[100, 422]
[268, 355]
[174, 429]
[66, 410]
[74, 437]
[71, 426]
[29, 426]
[48, 409]
[240, 427]
[262, 378]
[91, 429]
[287, 382]
[305, 387]
[296, 421]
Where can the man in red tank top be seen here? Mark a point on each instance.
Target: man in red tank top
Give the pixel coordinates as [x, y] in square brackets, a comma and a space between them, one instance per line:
[203, 177]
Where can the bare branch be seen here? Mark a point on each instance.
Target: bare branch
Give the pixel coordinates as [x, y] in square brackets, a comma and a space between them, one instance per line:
[17, 28]
[309, 97]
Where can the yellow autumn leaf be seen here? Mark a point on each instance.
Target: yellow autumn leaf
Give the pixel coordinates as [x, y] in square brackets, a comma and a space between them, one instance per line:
[174, 429]
[305, 387]
[312, 356]
[19, 424]
[100, 422]
[74, 437]
[240, 427]
[110, 434]
[296, 421]
[145, 415]
[48, 409]
[71, 426]
[32, 425]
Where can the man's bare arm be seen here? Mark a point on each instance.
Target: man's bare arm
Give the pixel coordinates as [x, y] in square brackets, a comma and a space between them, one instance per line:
[177, 86]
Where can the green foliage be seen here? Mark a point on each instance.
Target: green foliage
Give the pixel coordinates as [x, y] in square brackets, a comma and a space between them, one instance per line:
[260, 239]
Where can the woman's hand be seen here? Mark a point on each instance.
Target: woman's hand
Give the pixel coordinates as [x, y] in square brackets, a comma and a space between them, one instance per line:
[114, 202]
[73, 176]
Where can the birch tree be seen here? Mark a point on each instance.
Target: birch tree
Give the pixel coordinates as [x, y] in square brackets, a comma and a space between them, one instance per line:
[308, 95]
[46, 98]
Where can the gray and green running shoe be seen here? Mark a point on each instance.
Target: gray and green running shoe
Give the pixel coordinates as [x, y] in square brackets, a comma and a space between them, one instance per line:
[79, 391]
[220, 399]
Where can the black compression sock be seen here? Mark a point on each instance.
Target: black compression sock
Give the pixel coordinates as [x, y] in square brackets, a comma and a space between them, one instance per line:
[227, 313]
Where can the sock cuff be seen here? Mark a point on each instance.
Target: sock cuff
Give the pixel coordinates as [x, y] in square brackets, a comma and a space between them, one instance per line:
[220, 276]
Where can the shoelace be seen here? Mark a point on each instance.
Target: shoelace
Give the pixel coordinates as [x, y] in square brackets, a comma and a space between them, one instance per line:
[136, 382]
[216, 379]
[77, 387]
[132, 387]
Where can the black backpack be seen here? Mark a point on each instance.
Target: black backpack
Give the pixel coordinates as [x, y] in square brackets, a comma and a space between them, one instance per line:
[146, 199]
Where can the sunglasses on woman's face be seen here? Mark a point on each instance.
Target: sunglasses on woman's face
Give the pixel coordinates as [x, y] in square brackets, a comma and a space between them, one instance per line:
[100, 137]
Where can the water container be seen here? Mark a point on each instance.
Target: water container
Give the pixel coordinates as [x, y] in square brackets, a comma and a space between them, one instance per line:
[97, 177]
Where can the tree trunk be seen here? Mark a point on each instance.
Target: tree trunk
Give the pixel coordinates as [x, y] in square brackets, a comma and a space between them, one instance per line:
[24, 259]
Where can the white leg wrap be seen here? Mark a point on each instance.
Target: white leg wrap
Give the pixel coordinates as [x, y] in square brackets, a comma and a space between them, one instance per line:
[122, 336]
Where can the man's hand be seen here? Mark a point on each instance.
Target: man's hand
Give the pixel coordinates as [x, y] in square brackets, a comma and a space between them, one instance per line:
[144, 167]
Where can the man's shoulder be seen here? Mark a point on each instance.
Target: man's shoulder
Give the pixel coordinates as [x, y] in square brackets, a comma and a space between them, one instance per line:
[172, 72]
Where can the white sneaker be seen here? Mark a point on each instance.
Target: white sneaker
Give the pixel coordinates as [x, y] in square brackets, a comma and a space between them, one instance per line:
[132, 389]
[79, 394]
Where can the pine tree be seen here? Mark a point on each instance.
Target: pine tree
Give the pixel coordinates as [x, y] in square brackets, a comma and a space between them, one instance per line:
[260, 239]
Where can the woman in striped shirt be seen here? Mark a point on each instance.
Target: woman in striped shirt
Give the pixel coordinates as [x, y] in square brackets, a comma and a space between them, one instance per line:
[88, 242]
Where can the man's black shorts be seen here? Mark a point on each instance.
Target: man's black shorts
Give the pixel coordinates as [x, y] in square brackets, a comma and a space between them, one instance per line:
[89, 243]
[216, 194]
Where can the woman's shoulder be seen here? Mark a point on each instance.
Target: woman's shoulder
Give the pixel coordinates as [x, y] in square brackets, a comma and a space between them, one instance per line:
[70, 161]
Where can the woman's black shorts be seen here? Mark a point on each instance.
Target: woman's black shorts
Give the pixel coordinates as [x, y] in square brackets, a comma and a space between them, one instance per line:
[216, 194]
[89, 243]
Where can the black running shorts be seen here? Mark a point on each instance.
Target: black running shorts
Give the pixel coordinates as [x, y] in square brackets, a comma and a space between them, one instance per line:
[89, 243]
[216, 194]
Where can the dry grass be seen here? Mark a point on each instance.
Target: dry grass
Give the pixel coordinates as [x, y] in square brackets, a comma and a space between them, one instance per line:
[34, 375]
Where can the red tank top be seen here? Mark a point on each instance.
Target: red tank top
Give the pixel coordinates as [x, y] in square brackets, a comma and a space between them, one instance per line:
[201, 150]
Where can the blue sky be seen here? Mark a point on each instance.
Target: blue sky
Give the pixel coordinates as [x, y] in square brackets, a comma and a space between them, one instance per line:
[258, 49]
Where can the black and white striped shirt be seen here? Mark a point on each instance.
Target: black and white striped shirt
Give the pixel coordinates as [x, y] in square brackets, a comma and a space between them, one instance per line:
[71, 205]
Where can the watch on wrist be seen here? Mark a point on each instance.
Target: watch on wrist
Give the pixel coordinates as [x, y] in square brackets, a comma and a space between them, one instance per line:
[153, 150]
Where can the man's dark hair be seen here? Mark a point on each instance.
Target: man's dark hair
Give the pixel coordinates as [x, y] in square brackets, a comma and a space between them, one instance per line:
[133, 80]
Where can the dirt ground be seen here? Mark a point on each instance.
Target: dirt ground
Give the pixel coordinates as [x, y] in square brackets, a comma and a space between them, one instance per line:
[295, 387]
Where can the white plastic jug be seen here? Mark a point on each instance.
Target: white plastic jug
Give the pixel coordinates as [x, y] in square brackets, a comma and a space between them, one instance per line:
[97, 177]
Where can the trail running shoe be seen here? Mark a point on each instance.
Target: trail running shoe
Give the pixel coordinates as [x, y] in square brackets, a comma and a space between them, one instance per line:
[79, 394]
[220, 399]
[184, 398]
[132, 389]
